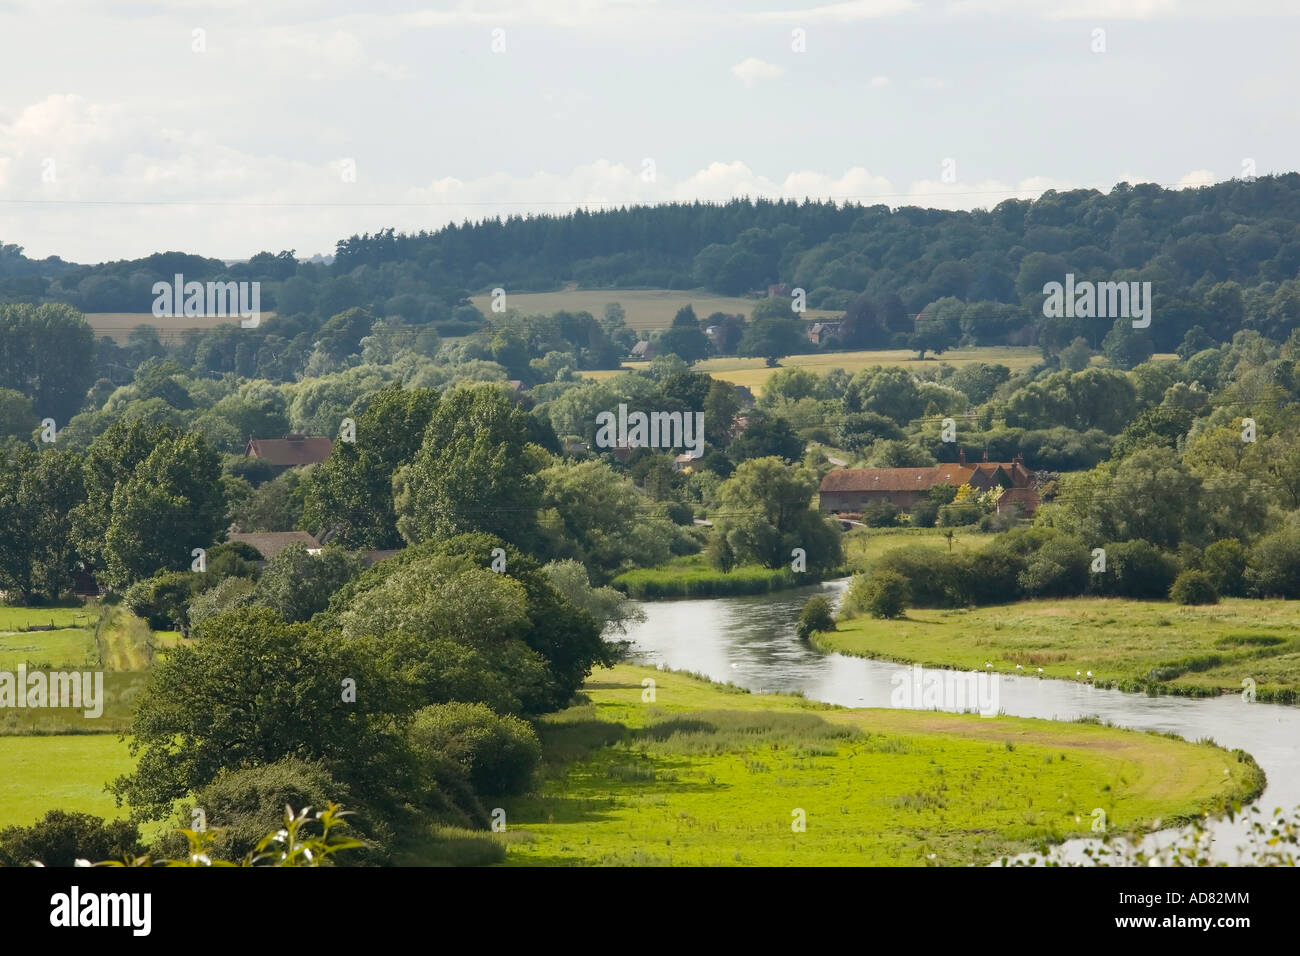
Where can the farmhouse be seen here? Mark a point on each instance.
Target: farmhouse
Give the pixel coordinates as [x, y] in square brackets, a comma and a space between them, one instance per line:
[819, 333]
[852, 489]
[289, 451]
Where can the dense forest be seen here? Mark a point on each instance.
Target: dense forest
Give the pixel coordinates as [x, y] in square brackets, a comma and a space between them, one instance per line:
[1219, 258]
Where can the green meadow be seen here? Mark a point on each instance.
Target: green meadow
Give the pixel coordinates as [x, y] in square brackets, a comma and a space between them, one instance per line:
[38, 774]
[1152, 646]
[864, 545]
[706, 774]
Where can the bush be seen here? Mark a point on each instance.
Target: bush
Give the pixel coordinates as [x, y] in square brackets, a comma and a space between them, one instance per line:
[815, 616]
[934, 578]
[230, 595]
[163, 599]
[60, 839]
[1194, 587]
[1059, 568]
[880, 514]
[242, 806]
[1137, 569]
[924, 513]
[880, 593]
[499, 753]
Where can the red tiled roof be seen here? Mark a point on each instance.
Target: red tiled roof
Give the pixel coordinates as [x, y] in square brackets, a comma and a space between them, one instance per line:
[290, 450]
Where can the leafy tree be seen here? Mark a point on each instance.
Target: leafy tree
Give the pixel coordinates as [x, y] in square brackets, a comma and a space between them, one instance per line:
[684, 338]
[1224, 562]
[593, 515]
[38, 494]
[297, 585]
[17, 419]
[349, 497]
[764, 514]
[476, 470]
[253, 691]
[772, 337]
[1076, 356]
[766, 436]
[815, 616]
[47, 353]
[880, 593]
[172, 503]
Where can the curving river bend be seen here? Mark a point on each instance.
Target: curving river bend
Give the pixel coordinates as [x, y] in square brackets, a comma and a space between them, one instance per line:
[750, 641]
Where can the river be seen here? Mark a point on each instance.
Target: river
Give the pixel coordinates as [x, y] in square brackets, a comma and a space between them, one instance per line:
[750, 641]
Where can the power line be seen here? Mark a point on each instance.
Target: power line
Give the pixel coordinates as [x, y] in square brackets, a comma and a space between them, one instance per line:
[416, 204]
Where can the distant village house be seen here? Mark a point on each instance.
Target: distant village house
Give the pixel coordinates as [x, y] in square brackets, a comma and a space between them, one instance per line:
[850, 490]
[291, 451]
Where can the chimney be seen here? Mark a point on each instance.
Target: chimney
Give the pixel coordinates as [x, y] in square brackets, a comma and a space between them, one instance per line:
[986, 454]
[961, 457]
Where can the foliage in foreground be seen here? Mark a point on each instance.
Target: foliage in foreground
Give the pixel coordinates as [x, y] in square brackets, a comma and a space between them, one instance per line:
[1272, 842]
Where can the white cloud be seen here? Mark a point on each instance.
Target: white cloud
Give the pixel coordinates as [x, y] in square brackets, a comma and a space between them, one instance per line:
[878, 82]
[851, 11]
[753, 71]
[1198, 177]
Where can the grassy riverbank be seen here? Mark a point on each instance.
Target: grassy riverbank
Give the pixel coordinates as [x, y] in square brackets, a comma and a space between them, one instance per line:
[1151, 646]
[693, 577]
[709, 775]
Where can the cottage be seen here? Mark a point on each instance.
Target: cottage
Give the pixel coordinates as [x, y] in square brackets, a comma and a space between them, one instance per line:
[291, 451]
[853, 489]
[643, 351]
[820, 333]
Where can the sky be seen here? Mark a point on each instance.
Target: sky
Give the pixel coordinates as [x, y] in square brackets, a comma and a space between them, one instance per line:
[229, 127]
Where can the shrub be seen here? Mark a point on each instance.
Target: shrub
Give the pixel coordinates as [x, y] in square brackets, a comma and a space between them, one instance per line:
[1137, 569]
[815, 616]
[499, 753]
[162, 600]
[880, 593]
[242, 806]
[924, 513]
[880, 514]
[60, 839]
[1057, 569]
[934, 578]
[1194, 587]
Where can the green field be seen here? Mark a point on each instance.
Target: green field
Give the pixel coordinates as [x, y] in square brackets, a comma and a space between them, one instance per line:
[119, 645]
[754, 372]
[1134, 645]
[72, 644]
[707, 775]
[864, 545]
[118, 326]
[645, 309]
[38, 774]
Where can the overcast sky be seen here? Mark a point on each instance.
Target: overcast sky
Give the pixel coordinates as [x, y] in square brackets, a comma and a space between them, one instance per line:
[123, 131]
